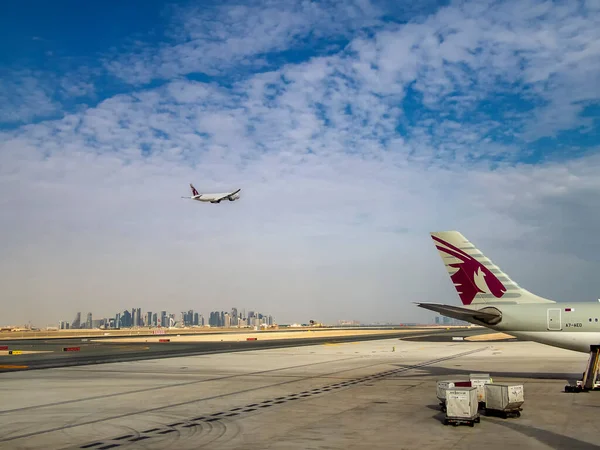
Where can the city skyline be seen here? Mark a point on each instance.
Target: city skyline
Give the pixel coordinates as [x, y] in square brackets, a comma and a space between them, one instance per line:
[164, 318]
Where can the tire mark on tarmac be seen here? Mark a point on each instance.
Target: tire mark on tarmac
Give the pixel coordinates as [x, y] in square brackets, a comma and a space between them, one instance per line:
[185, 383]
[243, 391]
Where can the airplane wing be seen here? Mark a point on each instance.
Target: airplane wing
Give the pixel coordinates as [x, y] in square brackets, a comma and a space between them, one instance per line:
[488, 315]
[228, 195]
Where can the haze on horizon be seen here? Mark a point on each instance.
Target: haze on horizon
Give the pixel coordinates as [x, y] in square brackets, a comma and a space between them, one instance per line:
[354, 128]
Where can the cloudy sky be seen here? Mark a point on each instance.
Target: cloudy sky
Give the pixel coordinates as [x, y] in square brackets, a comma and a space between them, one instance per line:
[353, 127]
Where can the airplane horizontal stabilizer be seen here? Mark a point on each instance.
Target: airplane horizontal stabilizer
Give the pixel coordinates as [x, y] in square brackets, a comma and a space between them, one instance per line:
[488, 315]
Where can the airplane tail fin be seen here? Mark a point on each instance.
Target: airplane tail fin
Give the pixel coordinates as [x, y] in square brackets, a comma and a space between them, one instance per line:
[194, 191]
[476, 278]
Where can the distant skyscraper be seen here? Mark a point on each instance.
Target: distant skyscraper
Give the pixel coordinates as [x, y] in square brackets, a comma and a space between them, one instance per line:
[148, 319]
[89, 322]
[126, 319]
[77, 322]
[163, 319]
[154, 319]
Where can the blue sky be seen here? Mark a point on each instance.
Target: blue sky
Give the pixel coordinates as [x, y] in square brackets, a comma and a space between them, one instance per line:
[353, 127]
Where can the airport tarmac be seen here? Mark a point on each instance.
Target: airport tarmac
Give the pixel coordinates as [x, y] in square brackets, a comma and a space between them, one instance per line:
[51, 353]
[358, 395]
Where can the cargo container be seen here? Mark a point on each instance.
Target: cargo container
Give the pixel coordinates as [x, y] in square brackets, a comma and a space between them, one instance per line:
[462, 406]
[504, 399]
[442, 385]
[479, 380]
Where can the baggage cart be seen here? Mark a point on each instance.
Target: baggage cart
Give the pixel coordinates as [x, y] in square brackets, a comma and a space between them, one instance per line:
[504, 399]
[442, 385]
[479, 380]
[462, 406]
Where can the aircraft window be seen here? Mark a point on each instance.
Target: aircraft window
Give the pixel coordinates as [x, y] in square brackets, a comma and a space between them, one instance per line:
[590, 319]
[596, 319]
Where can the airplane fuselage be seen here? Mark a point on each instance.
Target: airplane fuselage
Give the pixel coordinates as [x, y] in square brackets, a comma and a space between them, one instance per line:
[215, 197]
[572, 326]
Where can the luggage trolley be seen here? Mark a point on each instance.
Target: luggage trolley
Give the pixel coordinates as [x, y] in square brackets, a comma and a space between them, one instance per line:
[462, 406]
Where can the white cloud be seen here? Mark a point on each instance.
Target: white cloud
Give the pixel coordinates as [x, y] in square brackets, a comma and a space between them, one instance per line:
[24, 97]
[336, 203]
[215, 39]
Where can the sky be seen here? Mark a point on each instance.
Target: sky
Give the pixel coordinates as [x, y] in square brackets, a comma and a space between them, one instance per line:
[353, 127]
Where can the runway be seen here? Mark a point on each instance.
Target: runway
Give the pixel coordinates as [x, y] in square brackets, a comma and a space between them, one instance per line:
[102, 350]
[355, 395]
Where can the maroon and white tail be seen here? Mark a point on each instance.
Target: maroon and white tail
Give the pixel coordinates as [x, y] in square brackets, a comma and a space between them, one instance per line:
[194, 191]
[476, 278]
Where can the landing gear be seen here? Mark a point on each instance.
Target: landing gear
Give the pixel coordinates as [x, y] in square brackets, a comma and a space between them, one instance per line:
[589, 381]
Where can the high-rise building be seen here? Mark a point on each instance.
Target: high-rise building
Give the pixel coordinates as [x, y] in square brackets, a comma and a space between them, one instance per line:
[117, 323]
[154, 319]
[163, 319]
[148, 319]
[89, 321]
[77, 322]
[126, 319]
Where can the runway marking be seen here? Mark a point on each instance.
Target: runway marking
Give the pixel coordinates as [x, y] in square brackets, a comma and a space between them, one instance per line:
[12, 366]
[131, 347]
[199, 420]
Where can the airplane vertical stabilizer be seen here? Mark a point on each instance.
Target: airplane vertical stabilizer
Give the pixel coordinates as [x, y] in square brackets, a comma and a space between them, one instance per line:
[476, 278]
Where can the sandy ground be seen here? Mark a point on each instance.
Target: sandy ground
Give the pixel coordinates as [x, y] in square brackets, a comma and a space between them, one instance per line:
[489, 337]
[127, 332]
[24, 352]
[263, 336]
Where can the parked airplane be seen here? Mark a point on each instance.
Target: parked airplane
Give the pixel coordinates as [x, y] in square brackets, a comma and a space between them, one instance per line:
[491, 299]
[213, 198]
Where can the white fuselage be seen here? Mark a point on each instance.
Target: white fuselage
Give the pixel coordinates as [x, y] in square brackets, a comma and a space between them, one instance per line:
[215, 197]
[572, 326]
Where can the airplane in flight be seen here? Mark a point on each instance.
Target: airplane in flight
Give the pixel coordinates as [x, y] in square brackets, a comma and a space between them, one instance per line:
[492, 299]
[213, 198]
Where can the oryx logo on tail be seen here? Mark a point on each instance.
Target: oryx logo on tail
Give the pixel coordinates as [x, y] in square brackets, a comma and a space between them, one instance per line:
[471, 276]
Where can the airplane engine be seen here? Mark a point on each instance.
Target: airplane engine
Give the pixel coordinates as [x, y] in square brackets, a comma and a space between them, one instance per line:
[231, 199]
